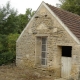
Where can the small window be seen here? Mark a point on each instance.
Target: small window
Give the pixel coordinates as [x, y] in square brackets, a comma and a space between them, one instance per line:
[41, 51]
[44, 51]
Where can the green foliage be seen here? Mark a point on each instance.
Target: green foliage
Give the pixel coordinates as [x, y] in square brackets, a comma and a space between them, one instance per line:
[7, 57]
[23, 19]
[12, 42]
[11, 25]
[3, 43]
[7, 19]
[8, 48]
[71, 5]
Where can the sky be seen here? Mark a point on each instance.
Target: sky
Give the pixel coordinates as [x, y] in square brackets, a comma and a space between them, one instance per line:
[22, 5]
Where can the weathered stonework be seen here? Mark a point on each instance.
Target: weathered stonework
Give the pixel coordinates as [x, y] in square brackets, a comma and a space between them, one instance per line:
[57, 36]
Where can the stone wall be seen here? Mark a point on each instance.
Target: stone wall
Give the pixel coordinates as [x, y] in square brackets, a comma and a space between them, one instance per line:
[44, 24]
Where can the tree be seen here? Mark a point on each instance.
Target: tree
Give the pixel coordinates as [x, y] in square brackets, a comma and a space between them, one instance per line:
[3, 43]
[8, 24]
[71, 6]
[7, 19]
[11, 22]
[8, 48]
[11, 25]
[23, 19]
[12, 42]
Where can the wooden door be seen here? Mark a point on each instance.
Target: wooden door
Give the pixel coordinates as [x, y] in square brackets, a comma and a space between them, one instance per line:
[66, 67]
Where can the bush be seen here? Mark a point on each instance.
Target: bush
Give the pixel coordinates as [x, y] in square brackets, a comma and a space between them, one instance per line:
[7, 57]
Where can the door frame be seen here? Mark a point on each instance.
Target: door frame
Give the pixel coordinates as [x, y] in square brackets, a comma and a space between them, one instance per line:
[67, 58]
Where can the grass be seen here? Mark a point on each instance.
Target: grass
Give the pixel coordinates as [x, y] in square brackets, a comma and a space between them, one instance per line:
[11, 72]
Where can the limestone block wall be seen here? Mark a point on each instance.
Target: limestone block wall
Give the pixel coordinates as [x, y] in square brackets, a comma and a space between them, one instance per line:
[44, 24]
[25, 50]
[75, 61]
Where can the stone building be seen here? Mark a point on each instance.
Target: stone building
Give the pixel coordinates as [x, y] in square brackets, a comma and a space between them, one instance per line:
[51, 42]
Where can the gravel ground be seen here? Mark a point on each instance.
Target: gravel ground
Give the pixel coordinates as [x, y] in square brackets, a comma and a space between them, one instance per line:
[11, 72]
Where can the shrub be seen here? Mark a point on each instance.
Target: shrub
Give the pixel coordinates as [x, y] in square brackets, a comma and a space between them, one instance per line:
[7, 57]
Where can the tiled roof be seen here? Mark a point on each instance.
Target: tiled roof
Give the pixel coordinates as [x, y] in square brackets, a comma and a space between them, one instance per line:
[72, 21]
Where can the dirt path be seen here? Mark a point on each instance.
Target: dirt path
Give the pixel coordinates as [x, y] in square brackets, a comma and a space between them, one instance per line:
[11, 72]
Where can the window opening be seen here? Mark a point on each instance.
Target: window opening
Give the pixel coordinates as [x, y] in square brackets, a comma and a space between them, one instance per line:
[44, 51]
[66, 51]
